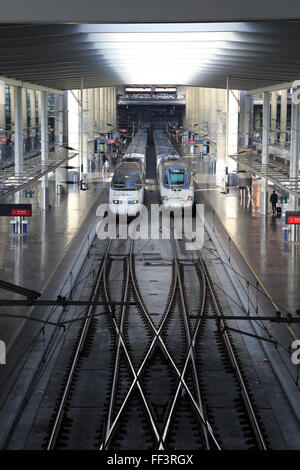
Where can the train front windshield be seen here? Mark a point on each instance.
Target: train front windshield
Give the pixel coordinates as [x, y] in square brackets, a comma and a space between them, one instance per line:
[176, 177]
[129, 182]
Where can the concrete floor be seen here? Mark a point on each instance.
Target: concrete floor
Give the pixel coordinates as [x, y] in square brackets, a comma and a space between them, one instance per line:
[32, 260]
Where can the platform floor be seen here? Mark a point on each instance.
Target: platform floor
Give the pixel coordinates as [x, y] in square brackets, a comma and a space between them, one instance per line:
[261, 238]
[31, 260]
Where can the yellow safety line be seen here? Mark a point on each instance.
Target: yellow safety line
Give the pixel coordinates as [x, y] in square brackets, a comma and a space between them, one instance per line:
[68, 246]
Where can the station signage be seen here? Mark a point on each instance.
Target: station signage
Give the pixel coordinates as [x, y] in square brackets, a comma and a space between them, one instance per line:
[13, 210]
[111, 141]
[292, 217]
[124, 130]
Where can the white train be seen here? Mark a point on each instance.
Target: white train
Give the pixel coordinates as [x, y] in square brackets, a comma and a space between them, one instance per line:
[176, 185]
[126, 192]
[175, 178]
[137, 148]
[164, 150]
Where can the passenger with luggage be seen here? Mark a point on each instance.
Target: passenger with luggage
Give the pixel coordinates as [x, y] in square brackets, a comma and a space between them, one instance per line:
[273, 200]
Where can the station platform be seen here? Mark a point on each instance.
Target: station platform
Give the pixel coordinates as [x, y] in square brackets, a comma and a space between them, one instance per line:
[42, 258]
[259, 237]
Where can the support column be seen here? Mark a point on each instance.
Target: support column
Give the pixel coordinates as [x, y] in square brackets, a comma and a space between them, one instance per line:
[12, 106]
[59, 129]
[283, 117]
[24, 111]
[32, 119]
[115, 107]
[102, 110]
[213, 119]
[97, 110]
[19, 154]
[264, 198]
[294, 162]
[2, 108]
[273, 117]
[81, 131]
[44, 128]
[221, 140]
[85, 129]
[206, 97]
[232, 142]
[44, 149]
[19, 150]
[243, 121]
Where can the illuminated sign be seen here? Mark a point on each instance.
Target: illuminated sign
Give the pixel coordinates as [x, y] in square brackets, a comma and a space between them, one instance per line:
[292, 217]
[3, 139]
[13, 210]
[124, 130]
[111, 141]
[136, 90]
[166, 90]
[192, 142]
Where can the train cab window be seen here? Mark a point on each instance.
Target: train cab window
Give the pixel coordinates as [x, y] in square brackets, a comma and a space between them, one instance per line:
[177, 177]
[125, 181]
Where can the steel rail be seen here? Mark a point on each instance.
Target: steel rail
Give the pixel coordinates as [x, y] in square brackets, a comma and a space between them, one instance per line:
[111, 429]
[157, 333]
[117, 358]
[150, 349]
[60, 412]
[255, 425]
[191, 346]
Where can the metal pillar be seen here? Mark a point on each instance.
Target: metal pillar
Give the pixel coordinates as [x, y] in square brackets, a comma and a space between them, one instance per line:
[44, 128]
[294, 161]
[265, 153]
[249, 120]
[221, 140]
[32, 118]
[273, 117]
[2, 108]
[44, 149]
[283, 117]
[85, 130]
[81, 129]
[244, 120]
[24, 112]
[19, 154]
[102, 113]
[19, 150]
[59, 120]
[227, 135]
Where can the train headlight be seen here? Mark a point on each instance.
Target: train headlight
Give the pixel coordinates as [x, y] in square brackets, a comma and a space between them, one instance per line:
[115, 201]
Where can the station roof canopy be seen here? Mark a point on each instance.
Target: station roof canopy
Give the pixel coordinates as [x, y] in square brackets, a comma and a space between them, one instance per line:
[254, 54]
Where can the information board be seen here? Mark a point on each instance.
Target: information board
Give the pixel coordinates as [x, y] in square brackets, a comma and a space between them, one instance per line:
[13, 210]
[292, 217]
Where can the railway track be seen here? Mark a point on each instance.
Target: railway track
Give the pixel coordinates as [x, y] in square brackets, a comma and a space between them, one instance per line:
[172, 375]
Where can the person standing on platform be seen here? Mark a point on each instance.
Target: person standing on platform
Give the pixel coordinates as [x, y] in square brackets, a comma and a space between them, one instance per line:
[273, 200]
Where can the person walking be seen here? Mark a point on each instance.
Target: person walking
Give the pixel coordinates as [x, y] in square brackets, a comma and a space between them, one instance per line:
[273, 200]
